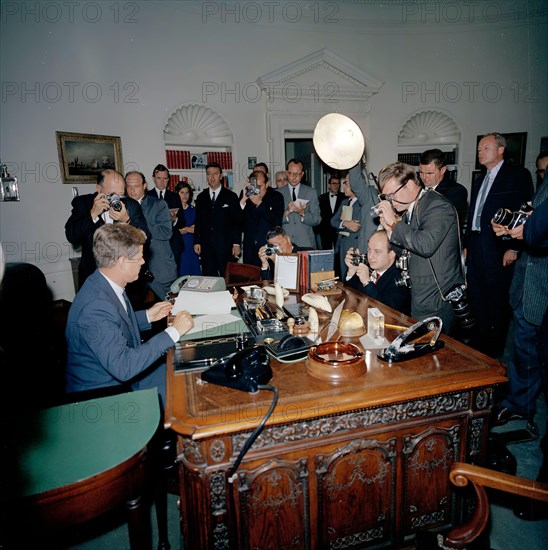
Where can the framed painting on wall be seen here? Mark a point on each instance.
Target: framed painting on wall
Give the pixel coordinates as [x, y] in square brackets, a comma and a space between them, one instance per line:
[82, 157]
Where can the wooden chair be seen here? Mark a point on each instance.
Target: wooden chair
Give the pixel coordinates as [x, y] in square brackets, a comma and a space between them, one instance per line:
[461, 474]
[237, 274]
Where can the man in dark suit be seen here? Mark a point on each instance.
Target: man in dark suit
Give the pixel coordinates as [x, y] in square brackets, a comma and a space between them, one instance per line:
[261, 212]
[217, 232]
[161, 178]
[378, 279]
[160, 259]
[490, 260]
[529, 301]
[329, 204]
[104, 349]
[433, 173]
[89, 212]
[424, 223]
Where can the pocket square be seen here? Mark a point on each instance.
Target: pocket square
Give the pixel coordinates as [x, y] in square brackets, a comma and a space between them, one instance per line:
[225, 205]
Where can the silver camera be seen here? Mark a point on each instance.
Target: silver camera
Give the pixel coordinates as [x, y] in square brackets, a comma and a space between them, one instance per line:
[504, 216]
[115, 202]
[402, 263]
[253, 188]
[375, 211]
[272, 249]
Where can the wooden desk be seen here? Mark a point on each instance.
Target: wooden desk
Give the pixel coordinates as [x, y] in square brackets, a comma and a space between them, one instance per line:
[355, 464]
[74, 462]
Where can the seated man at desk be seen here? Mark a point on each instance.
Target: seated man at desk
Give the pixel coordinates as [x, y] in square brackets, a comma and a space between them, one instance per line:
[104, 345]
[379, 277]
[278, 241]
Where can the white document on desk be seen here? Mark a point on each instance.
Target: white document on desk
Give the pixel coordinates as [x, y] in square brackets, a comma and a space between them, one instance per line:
[209, 323]
[203, 303]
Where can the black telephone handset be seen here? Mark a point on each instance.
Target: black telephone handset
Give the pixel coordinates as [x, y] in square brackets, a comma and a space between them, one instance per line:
[244, 370]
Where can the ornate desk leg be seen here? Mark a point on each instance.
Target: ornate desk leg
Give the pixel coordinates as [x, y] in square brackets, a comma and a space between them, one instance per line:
[140, 537]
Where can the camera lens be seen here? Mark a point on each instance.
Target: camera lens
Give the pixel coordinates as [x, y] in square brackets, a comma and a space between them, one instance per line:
[503, 216]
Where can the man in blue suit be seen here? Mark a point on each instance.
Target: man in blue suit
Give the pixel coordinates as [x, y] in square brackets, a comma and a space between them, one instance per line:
[160, 259]
[104, 349]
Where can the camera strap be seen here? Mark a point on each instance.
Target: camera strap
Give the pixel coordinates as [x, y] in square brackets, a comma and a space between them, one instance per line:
[462, 268]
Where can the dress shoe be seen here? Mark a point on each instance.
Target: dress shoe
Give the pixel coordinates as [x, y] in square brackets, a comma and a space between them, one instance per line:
[502, 415]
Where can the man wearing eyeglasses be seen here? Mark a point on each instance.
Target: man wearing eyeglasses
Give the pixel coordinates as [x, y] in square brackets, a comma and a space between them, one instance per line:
[301, 207]
[89, 212]
[433, 174]
[542, 163]
[424, 223]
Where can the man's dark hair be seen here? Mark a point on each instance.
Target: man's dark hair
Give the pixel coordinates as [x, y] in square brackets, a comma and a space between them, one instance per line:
[276, 232]
[261, 164]
[433, 155]
[214, 165]
[295, 161]
[255, 174]
[541, 155]
[160, 168]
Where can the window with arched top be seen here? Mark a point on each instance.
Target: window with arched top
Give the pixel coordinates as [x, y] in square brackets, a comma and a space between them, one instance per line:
[428, 129]
[195, 135]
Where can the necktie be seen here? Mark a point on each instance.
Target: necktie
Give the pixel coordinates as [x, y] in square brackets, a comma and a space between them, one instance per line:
[161, 195]
[481, 201]
[377, 277]
[133, 319]
[294, 195]
[213, 197]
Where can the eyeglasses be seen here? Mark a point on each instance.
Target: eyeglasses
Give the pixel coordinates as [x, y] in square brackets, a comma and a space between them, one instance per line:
[296, 174]
[390, 196]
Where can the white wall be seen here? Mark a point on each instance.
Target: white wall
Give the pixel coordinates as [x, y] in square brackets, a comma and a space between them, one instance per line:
[494, 54]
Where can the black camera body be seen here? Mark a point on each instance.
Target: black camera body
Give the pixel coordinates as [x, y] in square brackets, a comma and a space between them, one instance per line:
[253, 188]
[115, 202]
[504, 216]
[272, 249]
[461, 307]
[356, 259]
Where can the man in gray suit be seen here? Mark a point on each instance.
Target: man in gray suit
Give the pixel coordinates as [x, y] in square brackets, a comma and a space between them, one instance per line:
[299, 218]
[367, 197]
[161, 262]
[346, 222]
[424, 223]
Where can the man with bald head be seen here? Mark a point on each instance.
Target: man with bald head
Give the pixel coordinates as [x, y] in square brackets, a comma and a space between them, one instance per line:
[89, 212]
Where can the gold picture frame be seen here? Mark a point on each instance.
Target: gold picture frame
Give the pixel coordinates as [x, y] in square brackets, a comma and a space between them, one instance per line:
[83, 156]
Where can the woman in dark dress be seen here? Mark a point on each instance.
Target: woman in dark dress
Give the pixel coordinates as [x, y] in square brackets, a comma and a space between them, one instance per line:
[189, 262]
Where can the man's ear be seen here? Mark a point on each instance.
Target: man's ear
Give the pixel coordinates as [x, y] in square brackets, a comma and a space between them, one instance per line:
[98, 188]
[443, 169]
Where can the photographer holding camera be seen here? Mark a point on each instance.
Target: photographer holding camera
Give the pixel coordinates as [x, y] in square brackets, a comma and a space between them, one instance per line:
[424, 223]
[376, 274]
[278, 241]
[262, 210]
[89, 212]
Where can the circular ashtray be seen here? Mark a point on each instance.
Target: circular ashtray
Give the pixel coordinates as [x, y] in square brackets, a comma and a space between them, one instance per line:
[335, 361]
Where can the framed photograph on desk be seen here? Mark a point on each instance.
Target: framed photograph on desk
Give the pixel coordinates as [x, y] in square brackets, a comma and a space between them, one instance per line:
[286, 271]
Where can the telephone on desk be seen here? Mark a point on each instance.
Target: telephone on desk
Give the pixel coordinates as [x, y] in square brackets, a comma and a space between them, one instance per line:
[198, 283]
[245, 370]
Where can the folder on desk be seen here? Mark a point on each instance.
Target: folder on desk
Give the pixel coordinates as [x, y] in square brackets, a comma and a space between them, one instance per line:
[216, 326]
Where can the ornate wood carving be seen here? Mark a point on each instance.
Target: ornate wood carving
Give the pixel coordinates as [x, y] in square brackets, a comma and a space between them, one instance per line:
[428, 457]
[356, 485]
[312, 429]
[275, 499]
